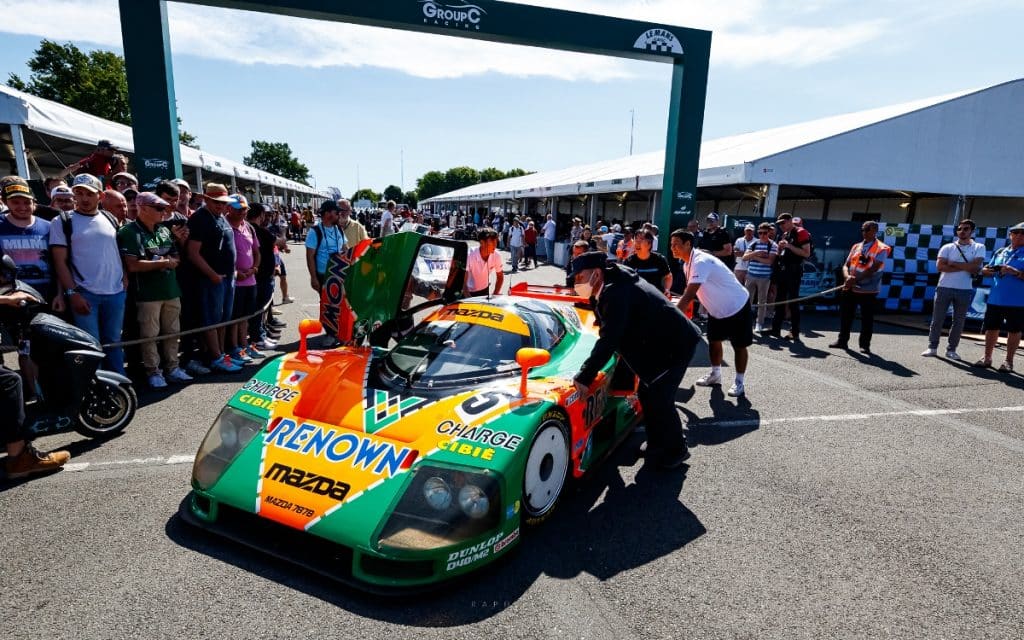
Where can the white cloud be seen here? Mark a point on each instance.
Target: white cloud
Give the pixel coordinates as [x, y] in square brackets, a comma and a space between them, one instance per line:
[746, 32]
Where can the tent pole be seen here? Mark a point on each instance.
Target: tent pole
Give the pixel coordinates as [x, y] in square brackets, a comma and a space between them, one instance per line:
[20, 159]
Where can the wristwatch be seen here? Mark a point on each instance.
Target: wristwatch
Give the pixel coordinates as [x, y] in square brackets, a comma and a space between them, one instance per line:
[70, 292]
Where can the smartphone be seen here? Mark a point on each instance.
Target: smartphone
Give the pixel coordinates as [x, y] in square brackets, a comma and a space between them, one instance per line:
[170, 224]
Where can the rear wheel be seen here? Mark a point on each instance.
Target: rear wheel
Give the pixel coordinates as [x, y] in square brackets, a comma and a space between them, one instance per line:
[106, 410]
[547, 467]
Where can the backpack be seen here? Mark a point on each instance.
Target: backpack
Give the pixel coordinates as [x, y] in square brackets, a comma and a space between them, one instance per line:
[65, 223]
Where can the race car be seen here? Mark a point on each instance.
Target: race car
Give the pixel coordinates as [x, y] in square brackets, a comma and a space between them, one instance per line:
[397, 468]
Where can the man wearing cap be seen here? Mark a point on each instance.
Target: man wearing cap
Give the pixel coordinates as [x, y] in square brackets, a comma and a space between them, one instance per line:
[211, 252]
[184, 197]
[1005, 300]
[62, 198]
[740, 248]
[794, 247]
[96, 163]
[122, 180]
[652, 337]
[151, 259]
[324, 241]
[717, 241]
[25, 237]
[727, 304]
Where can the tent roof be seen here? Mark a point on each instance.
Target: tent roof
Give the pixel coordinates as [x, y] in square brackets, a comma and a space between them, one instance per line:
[62, 122]
[970, 143]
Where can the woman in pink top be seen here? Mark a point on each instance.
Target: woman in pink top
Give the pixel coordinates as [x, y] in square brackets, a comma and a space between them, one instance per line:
[247, 260]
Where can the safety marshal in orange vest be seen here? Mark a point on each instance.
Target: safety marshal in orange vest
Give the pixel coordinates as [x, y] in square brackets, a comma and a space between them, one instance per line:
[863, 277]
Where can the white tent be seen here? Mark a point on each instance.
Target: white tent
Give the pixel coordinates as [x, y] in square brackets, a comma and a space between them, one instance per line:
[967, 143]
[67, 134]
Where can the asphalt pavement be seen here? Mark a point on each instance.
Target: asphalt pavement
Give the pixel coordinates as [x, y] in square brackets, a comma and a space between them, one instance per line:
[845, 496]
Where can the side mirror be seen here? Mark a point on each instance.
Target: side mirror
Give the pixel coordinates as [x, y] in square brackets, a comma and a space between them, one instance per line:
[308, 327]
[528, 358]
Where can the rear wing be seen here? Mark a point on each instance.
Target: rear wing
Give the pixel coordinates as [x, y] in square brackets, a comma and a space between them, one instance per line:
[551, 293]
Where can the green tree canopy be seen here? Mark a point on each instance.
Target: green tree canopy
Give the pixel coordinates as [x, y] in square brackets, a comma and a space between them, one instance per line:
[459, 177]
[93, 82]
[411, 198]
[367, 194]
[431, 184]
[393, 192]
[277, 158]
[490, 174]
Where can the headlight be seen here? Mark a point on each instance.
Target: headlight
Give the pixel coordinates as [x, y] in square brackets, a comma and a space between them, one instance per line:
[437, 493]
[474, 501]
[231, 432]
[441, 507]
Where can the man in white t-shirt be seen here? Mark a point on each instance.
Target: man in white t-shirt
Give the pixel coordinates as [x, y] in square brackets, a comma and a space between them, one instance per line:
[387, 219]
[515, 243]
[740, 247]
[481, 262]
[957, 263]
[549, 239]
[727, 303]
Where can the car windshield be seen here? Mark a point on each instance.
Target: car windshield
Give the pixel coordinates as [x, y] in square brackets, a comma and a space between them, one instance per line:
[447, 353]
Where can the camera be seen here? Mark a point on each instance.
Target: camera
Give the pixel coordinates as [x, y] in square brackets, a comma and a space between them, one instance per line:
[863, 260]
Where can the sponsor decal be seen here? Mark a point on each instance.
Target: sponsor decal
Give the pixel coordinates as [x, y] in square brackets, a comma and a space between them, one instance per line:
[472, 554]
[155, 163]
[659, 41]
[485, 401]
[507, 540]
[271, 391]
[481, 314]
[333, 296]
[289, 506]
[339, 446]
[464, 449]
[684, 195]
[308, 481]
[294, 379]
[573, 398]
[512, 510]
[386, 408]
[463, 312]
[594, 410]
[256, 401]
[502, 439]
[462, 15]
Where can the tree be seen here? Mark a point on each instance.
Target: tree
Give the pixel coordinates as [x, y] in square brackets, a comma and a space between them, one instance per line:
[490, 174]
[431, 184]
[411, 198]
[93, 82]
[515, 173]
[277, 158]
[393, 192]
[459, 177]
[366, 194]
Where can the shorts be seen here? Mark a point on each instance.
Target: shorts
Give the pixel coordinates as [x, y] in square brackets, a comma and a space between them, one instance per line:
[245, 302]
[216, 300]
[736, 328]
[997, 314]
[284, 272]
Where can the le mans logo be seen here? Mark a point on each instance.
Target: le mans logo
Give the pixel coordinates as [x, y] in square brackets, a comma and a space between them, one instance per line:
[660, 41]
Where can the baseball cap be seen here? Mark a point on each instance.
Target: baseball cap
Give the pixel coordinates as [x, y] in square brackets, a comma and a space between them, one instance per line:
[784, 216]
[130, 191]
[182, 183]
[127, 176]
[797, 220]
[217, 192]
[150, 199]
[16, 187]
[328, 206]
[1017, 227]
[603, 229]
[238, 201]
[60, 191]
[750, 226]
[104, 144]
[589, 260]
[87, 181]
[713, 216]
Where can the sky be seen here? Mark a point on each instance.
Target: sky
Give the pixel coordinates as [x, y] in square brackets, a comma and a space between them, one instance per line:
[370, 107]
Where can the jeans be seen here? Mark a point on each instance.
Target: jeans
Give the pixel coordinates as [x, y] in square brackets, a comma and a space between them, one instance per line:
[216, 300]
[658, 401]
[758, 288]
[848, 303]
[549, 251]
[961, 299]
[104, 322]
[517, 257]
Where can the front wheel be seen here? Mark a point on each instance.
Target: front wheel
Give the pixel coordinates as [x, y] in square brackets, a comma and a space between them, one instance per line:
[106, 410]
[547, 467]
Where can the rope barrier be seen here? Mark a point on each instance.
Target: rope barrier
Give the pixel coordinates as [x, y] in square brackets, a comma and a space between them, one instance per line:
[813, 295]
[132, 343]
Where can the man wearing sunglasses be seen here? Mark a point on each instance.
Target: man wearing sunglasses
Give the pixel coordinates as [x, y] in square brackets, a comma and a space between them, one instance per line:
[958, 262]
[1006, 299]
[151, 258]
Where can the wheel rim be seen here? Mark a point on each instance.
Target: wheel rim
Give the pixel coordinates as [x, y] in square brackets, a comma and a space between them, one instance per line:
[545, 469]
[105, 412]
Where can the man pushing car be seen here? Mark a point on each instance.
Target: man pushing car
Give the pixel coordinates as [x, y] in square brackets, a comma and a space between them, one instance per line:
[653, 338]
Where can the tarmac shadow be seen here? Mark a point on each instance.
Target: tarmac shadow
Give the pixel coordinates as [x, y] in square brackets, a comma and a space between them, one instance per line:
[730, 421]
[875, 360]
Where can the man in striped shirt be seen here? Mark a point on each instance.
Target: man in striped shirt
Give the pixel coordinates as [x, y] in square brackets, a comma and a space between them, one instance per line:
[760, 255]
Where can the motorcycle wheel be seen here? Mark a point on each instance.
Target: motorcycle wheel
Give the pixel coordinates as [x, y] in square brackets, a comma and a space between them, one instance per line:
[106, 409]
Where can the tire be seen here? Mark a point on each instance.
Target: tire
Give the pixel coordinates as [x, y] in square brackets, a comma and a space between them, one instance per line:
[106, 409]
[546, 469]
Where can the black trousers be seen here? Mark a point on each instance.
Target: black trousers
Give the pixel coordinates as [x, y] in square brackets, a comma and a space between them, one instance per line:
[787, 287]
[848, 303]
[12, 406]
[658, 400]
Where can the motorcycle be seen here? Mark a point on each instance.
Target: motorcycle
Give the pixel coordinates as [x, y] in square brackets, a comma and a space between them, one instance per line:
[72, 392]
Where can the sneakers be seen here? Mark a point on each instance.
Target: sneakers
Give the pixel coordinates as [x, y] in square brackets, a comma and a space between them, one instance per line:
[838, 345]
[240, 357]
[708, 380]
[196, 368]
[156, 381]
[30, 461]
[253, 352]
[953, 355]
[225, 365]
[758, 328]
[266, 344]
[736, 390]
[287, 300]
[931, 353]
[177, 375]
[277, 324]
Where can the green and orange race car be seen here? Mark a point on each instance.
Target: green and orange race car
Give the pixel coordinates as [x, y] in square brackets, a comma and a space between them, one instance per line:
[397, 468]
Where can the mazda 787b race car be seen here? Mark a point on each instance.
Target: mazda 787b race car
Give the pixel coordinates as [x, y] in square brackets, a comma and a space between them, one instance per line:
[392, 469]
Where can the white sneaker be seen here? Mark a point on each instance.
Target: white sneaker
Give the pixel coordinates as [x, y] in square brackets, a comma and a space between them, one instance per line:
[287, 300]
[196, 368]
[177, 375]
[156, 381]
[266, 344]
[708, 380]
[758, 328]
[929, 353]
[736, 390]
[953, 355]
